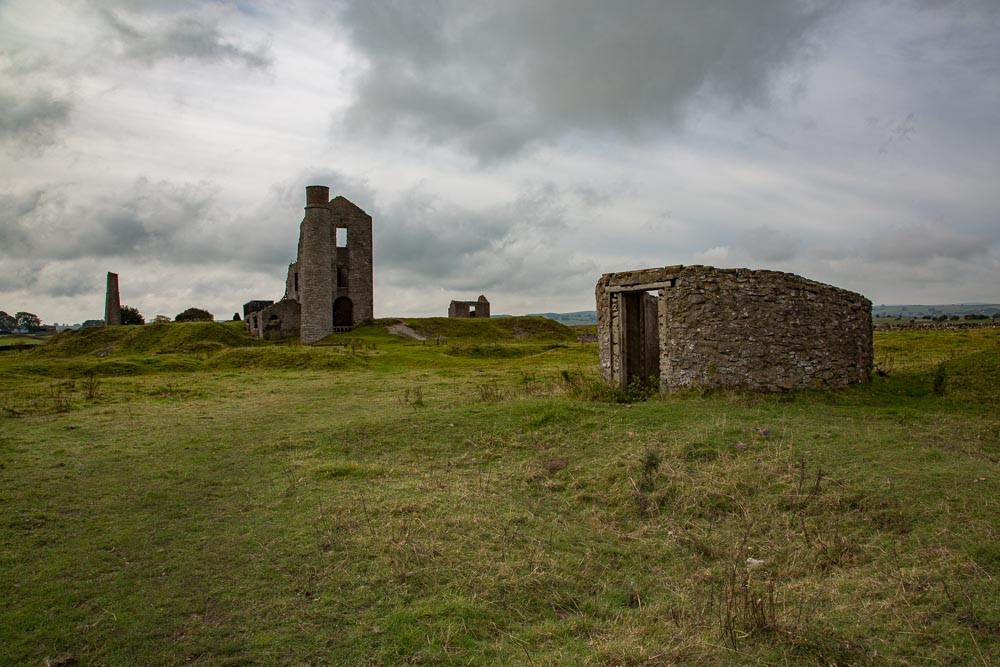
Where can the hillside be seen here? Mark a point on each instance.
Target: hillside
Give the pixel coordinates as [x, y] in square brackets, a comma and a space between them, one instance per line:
[382, 501]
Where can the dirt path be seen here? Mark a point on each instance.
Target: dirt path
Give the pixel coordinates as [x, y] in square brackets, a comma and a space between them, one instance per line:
[405, 332]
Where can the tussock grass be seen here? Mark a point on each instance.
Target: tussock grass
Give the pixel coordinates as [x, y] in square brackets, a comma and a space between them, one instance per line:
[399, 504]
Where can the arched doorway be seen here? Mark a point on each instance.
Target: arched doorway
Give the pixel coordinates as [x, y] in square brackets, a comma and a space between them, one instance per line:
[343, 312]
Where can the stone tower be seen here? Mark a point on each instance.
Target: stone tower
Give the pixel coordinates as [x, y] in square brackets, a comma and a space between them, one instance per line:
[332, 278]
[112, 302]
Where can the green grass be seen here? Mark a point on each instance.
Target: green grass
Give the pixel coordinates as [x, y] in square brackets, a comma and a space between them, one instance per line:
[379, 500]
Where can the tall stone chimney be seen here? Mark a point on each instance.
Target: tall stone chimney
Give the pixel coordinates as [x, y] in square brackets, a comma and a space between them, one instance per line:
[315, 269]
[112, 303]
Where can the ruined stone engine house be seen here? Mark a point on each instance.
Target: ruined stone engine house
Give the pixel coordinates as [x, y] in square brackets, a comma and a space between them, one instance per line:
[699, 326]
[329, 287]
[478, 308]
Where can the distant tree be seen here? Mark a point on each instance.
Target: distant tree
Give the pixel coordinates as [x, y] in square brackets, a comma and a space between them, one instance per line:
[954, 318]
[236, 317]
[194, 315]
[27, 321]
[996, 316]
[132, 315]
[161, 319]
[7, 322]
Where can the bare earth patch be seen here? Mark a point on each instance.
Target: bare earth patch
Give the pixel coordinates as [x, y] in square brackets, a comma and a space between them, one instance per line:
[404, 331]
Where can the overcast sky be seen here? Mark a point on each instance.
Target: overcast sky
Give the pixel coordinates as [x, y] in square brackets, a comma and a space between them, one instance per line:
[516, 148]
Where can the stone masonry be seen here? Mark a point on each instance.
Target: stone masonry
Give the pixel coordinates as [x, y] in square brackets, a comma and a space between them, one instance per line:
[478, 308]
[330, 287]
[112, 302]
[699, 326]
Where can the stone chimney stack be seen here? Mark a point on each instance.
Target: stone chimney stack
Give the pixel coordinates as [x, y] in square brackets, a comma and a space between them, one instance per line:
[315, 268]
[112, 302]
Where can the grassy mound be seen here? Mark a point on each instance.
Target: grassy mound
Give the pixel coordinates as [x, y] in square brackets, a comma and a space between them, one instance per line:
[175, 337]
[509, 329]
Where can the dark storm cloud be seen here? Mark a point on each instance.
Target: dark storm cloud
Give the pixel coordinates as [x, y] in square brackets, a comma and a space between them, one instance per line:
[493, 78]
[188, 37]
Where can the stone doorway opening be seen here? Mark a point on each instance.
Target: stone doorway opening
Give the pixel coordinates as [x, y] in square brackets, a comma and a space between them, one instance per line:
[640, 344]
[343, 312]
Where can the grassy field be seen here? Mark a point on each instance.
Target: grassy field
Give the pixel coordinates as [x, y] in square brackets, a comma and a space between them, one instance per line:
[181, 494]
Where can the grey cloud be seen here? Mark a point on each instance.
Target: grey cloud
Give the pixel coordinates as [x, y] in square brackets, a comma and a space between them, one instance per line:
[423, 240]
[267, 236]
[188, 37]
[768, 245]
[32, 119]
[180, 224]
[900, 132]
[923, 242]
[149, 219]
[496, 79]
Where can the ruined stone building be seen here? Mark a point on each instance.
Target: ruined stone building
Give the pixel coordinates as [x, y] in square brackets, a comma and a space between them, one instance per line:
[698, 326]
[478, 308]
[329, 287]
[112, 302]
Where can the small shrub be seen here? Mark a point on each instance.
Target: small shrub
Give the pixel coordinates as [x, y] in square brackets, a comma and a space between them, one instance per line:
[132, 315]
[194, 315]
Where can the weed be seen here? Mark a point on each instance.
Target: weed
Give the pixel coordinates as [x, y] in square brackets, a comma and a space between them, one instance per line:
[589, 388]
[885, 365]
[748, 604]
[492, 392]
[650, 462]
[92, 386]
[59, 396]
[413, 397]
[940, 377]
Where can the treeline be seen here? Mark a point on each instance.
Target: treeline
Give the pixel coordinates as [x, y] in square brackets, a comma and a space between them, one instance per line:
[25, 321]
[20, 320]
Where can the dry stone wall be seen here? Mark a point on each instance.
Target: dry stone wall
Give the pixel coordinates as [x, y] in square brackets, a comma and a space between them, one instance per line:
[733, 328]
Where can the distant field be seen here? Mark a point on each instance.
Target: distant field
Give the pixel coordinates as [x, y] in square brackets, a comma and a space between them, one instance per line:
[880, 314]
[181, 493]
[960, 309]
